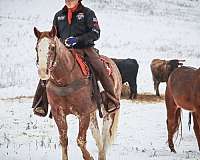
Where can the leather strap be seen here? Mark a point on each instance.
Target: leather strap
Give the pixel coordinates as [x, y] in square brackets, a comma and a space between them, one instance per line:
[70, 88]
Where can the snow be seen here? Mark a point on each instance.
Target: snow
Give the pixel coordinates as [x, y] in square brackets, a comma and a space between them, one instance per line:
[143, 30]
[141, 135]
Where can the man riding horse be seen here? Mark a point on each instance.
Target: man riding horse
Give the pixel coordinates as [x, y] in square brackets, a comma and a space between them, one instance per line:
[78, 28]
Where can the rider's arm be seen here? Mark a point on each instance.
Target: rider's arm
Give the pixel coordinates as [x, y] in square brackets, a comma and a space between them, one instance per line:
[93, 33]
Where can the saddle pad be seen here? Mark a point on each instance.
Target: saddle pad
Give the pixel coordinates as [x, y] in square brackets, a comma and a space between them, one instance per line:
[84, 67]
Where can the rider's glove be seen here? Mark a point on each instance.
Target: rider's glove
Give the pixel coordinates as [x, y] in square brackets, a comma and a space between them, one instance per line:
[71, 41]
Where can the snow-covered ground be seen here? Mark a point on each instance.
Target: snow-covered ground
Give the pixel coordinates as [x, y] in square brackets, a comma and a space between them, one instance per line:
[140, 29]
[142, 135]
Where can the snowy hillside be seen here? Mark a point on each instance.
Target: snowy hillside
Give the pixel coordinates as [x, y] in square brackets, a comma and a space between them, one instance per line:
[136, 29]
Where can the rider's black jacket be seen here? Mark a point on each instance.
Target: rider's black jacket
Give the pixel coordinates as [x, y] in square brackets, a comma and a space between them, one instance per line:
[84, 26]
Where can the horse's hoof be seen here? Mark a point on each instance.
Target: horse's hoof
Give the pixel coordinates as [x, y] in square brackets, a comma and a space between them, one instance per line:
[173, 150]
[91, 158]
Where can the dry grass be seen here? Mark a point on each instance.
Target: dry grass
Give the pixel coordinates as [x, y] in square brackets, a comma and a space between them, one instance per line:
[17, 98]
[141, 98]
[146, 98]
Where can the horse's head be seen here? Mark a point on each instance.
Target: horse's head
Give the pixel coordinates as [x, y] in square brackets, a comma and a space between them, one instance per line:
[46, 51]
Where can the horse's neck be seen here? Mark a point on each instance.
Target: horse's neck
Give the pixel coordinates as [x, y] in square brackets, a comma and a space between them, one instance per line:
[64, 57]
[65, 64]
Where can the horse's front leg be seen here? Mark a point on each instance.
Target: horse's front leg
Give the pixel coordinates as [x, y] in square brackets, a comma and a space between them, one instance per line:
[97, 135]
[60, 119]
[81, 139]
[196, 127]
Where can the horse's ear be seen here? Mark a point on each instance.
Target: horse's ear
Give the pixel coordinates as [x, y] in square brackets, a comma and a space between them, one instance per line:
[37, 33]
[53, 31]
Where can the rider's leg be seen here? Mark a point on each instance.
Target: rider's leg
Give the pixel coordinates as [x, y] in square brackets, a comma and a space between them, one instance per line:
[104, 78]
[40, 101]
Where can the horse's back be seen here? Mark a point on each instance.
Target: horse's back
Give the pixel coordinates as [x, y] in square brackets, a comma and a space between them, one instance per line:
[181, 77]
[115, 74]
[179, 86]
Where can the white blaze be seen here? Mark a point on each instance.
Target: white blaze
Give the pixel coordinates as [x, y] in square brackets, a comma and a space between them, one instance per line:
[43, 49]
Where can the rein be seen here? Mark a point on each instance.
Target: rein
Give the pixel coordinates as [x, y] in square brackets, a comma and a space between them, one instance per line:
[52, 79]
[53, 64]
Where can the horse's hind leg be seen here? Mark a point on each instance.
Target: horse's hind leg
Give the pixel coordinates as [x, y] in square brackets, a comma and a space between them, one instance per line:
[173, 115]
[60, 119]
[196, 128]
[97, 136]
[81, 140]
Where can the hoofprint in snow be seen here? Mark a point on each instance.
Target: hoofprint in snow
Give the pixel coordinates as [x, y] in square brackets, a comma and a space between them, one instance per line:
[129, 29]
[142, 134]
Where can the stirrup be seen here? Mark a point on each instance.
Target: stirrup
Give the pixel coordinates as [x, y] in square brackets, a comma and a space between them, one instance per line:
[112, 109]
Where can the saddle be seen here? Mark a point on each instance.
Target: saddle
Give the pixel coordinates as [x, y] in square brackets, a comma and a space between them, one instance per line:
[85, 65]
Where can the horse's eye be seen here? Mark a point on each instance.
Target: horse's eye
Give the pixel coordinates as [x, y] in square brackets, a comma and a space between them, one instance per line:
[52, 47]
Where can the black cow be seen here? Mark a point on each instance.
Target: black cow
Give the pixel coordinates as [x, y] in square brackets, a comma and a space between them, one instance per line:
[128, 69]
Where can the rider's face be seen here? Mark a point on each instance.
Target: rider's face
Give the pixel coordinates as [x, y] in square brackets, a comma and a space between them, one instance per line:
[71, 3]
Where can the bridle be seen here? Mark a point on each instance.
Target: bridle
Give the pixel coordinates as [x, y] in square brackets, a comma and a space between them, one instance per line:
[51, 62]
[51, 52]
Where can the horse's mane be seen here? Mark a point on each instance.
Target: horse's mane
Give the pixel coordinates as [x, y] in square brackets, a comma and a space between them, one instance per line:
[60, 47]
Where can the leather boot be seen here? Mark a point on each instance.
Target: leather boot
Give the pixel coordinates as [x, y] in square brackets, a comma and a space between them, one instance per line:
[40, 101]
[107, 83]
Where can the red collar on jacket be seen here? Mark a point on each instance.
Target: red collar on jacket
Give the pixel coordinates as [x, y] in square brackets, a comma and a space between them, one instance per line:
[70, 11]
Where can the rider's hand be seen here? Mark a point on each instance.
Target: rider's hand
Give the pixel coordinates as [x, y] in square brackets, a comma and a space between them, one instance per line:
[71, 41]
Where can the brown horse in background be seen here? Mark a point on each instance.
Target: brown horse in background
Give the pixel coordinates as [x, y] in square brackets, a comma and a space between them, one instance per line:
[70, 92]
[182, 92]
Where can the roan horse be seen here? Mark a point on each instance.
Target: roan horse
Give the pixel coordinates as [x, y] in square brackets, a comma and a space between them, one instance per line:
[182, 92]
[70, 92]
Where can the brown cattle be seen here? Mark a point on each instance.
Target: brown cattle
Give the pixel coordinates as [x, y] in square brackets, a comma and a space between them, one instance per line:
[161, 70]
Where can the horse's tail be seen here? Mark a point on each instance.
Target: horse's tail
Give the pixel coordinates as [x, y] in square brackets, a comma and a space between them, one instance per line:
[179, 124]
[110, 125]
